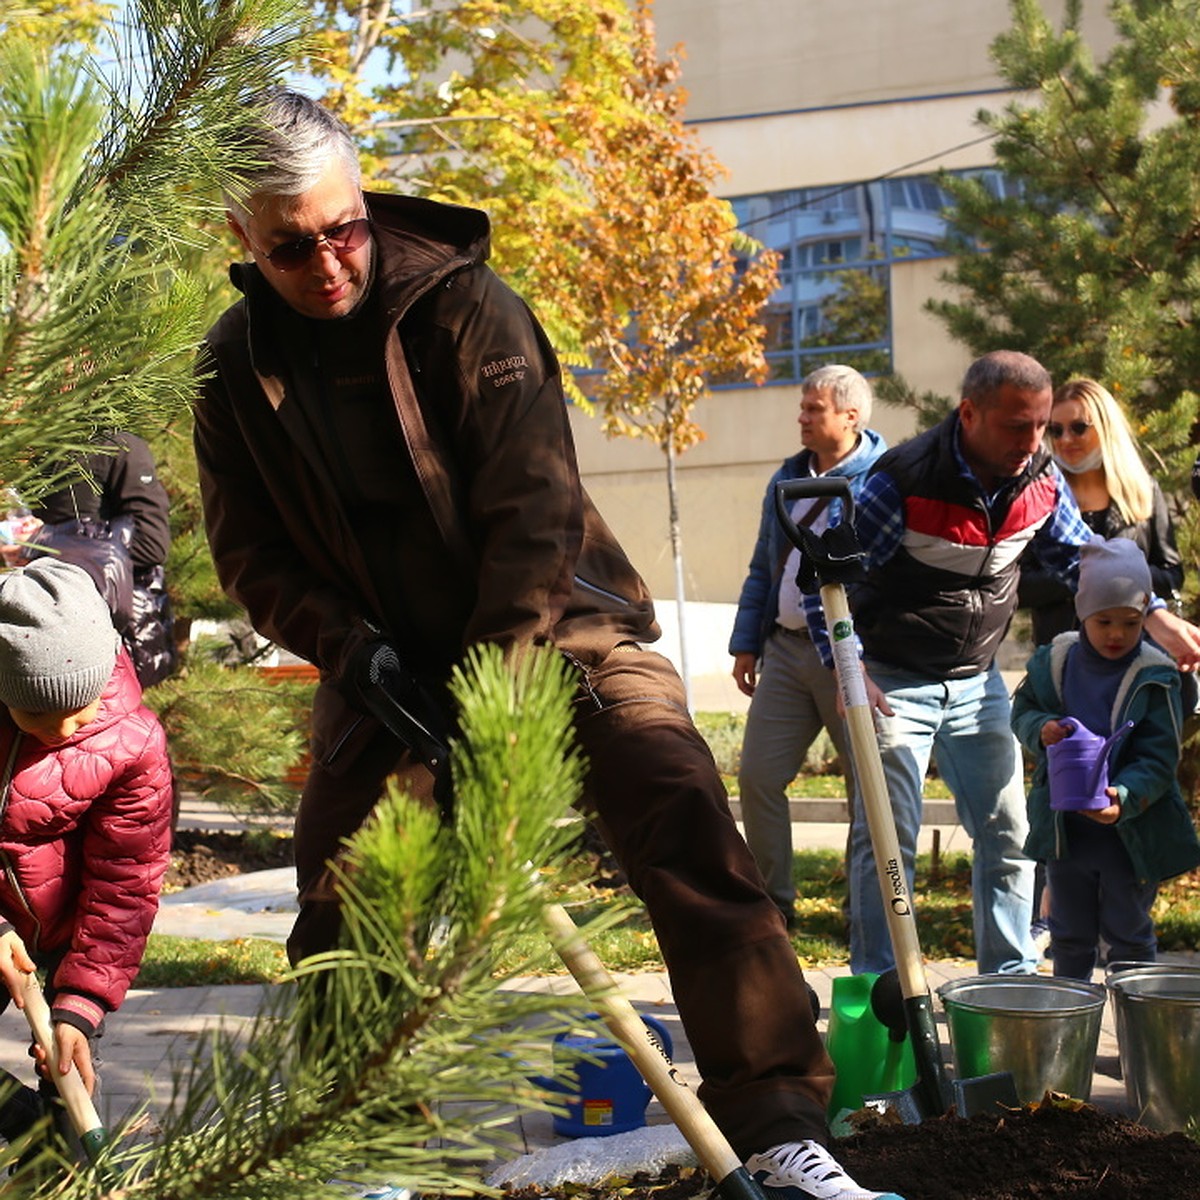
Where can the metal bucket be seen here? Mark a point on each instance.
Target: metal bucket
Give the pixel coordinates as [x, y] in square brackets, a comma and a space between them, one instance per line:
[1157, 1015]
[1041, 1028]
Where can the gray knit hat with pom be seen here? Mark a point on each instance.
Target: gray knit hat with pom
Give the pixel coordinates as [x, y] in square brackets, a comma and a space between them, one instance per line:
[57, 641]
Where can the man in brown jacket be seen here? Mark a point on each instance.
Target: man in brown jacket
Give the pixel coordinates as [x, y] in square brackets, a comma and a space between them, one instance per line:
[388, 477]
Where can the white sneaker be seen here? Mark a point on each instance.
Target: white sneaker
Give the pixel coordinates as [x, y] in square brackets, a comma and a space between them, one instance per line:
[807, 1170]
[371, 1191]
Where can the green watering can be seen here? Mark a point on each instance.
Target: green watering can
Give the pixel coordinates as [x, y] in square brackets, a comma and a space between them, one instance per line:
[869, 1059]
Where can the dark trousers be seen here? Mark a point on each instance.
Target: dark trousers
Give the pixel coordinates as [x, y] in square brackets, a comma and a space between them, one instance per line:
[1095, 895]
[657, 797]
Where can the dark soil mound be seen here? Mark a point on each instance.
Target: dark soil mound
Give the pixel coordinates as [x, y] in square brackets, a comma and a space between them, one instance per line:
[202, 855]
[1047, 1152]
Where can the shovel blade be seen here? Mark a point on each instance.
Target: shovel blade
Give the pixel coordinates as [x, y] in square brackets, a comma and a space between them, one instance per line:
[985, 1093]
[905, 1104]
[972, 1098]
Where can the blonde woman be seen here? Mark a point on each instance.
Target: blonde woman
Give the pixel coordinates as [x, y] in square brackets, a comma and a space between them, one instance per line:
[1090, 440]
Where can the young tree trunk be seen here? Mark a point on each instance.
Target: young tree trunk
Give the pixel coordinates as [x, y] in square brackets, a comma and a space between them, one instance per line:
[677, 559]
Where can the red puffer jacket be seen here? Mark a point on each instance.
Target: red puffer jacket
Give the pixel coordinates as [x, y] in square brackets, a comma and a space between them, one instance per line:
[85, 832]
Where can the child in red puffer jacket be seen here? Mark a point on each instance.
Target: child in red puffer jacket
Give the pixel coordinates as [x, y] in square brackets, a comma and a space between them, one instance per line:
[85, 813]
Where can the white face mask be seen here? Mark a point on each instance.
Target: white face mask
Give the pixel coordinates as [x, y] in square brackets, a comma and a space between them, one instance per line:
[1090, 463]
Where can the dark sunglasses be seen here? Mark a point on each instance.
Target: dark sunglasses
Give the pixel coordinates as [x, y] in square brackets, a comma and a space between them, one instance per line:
[341, 239]
[1077, 428]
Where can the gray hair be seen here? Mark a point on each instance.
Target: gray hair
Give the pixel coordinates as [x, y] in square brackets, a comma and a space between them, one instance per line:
[846, 387]
[988, 374]
[289, 142]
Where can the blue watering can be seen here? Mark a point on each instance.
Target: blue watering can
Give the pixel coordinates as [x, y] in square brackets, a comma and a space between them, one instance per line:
[608, 1095]
[1078, 768]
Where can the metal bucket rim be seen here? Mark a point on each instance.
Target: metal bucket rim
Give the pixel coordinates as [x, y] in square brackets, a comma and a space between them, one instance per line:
[1125, 986]
[1090, 996]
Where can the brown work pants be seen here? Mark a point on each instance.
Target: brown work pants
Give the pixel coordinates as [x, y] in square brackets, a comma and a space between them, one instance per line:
[658, 799]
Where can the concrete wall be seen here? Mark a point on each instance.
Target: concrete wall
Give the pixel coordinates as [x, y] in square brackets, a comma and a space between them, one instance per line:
[791, 94]
[721, 486]
[761, 56]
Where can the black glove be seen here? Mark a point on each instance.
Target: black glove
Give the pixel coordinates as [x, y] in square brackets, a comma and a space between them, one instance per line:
[834, 556]
[394, 697]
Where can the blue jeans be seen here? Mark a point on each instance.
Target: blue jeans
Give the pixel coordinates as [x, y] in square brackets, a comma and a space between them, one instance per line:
[965, 723]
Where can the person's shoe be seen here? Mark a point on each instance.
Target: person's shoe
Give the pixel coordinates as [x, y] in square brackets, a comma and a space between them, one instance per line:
[807, 1171]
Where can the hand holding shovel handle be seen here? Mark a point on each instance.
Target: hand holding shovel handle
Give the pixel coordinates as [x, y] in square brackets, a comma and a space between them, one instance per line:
[683, 1106]
[80, 1109]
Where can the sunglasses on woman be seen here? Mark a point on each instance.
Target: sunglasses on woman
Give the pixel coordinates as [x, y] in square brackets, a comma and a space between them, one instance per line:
[341, 239]
[1077, 428]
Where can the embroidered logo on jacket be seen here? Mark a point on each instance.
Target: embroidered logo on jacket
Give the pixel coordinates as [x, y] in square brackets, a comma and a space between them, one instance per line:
[500, 371]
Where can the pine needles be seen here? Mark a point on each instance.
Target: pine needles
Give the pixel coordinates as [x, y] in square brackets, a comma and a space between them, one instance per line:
[398, 1055]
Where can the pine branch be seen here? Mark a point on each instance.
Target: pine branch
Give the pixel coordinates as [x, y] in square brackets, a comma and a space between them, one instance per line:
[401, 1035]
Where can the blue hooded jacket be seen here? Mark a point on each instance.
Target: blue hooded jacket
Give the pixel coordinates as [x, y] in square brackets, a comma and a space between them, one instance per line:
[758, 604]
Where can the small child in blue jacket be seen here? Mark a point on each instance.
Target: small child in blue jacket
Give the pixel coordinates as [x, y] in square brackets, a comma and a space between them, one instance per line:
[1103, 866]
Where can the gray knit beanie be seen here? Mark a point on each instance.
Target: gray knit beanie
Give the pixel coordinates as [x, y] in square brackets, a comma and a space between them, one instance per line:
[1112, 574]
[57, 641]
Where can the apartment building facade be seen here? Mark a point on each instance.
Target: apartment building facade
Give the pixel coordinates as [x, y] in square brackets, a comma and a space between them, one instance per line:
[832, 121]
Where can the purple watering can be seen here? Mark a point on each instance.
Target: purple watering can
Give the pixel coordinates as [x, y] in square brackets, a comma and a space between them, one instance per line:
[1079, 768]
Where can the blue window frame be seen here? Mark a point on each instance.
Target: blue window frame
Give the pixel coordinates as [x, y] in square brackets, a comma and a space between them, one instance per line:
[837, 246]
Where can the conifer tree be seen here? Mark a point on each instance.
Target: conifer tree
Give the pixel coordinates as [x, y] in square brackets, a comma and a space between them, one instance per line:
[397, 1055]
[115, 143]
[1089, 259]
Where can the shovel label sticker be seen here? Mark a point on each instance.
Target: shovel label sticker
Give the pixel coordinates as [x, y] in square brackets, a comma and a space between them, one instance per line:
[899, 900]
[845, 661]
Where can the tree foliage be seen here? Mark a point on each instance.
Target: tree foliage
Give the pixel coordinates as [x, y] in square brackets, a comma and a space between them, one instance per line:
[1092, 264]
[107, 166]
[559, 117]
[398, 1054]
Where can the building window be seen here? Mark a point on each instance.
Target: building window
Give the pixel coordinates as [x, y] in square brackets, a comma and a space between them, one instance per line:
[837, 247]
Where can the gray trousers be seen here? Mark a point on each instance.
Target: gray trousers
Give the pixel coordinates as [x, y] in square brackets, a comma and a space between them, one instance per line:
[795, 698]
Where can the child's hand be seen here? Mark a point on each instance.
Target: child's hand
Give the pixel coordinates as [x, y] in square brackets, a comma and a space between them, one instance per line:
[74, 1049]
[1109, 815]
[14, 962]
[1054, 731]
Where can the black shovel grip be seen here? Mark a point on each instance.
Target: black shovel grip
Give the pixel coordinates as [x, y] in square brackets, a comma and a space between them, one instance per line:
[789, 490]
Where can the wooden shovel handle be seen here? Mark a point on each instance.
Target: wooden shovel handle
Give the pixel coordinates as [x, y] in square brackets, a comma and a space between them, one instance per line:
[78, 1103]
[681, 1103]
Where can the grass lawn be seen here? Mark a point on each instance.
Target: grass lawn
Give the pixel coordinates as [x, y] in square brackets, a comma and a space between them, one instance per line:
[943, 924]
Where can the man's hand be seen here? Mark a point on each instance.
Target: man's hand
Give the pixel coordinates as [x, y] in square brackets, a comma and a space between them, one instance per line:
[745, 673]
[876, 699]
[72, 1049]
[1179, 638]
[14, 962]
[395, 698]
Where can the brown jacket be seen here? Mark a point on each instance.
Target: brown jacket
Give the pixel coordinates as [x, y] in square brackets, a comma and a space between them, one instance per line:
[517, 553]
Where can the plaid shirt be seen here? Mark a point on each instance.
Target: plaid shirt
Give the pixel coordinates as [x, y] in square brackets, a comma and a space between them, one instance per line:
[879, 524]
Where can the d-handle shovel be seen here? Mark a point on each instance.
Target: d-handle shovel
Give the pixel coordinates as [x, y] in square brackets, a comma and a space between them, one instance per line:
[830, 561]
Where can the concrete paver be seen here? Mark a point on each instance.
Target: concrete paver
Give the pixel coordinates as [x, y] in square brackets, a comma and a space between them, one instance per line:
[156, 1032]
